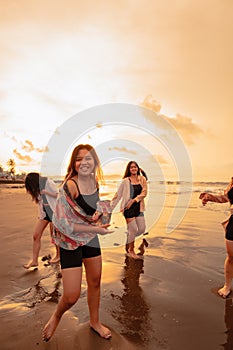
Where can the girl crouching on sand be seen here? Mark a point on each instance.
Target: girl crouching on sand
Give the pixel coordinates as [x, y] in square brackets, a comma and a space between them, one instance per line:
[43, 192]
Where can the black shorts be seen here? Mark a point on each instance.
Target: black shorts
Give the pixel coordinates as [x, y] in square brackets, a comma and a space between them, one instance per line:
[74, 258]
[129, 213]
[133, 211]
[48, 215]
[229, 229]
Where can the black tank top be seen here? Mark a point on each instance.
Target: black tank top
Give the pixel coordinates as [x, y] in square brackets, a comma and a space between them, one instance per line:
[88, 202]
[134, 210]
[135, 190]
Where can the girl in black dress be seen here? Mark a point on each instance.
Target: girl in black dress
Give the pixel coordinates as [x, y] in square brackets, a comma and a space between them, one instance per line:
[131, 192]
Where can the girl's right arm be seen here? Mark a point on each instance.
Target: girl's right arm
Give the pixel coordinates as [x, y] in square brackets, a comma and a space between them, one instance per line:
[50, 188]
[208, 197]
[117, 196]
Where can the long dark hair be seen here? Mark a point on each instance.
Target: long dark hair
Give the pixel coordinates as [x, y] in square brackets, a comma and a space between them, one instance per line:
[32, 185]
[71, 167]
[139, 172]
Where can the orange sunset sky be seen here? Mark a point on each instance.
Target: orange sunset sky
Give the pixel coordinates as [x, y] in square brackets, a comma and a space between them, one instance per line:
[58, 58]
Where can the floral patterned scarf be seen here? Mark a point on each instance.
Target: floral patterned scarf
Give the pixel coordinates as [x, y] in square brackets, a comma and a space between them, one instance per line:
[67, 213]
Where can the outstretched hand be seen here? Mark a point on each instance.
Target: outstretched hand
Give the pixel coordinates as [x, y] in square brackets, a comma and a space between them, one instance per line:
[204, 198]
[103, 229]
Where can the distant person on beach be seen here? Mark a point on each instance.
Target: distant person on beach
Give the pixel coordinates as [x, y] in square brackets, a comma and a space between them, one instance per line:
[43, 192]
[230, 185]
[228, 226]
[76, 234]
[131, 192]
[208, 197]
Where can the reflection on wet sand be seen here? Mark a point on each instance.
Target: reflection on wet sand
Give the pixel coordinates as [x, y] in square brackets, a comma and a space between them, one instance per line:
[131, 309]
[229, 324]
[47, 288]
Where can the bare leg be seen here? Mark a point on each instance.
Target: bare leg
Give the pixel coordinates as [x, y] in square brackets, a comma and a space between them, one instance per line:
[93, 268]
[71, 278]
[228, 266]
[140, 221]
[39, 229]
[141, 226]
[56, 258]
[132, 232]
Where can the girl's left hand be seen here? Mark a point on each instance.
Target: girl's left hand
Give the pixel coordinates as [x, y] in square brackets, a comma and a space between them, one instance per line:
[129, 203]
[103, 229]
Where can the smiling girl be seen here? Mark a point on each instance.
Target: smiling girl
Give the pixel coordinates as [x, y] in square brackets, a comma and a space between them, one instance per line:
[77, 237]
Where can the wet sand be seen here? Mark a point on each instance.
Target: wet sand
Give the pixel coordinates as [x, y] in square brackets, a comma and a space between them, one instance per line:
[168, 300]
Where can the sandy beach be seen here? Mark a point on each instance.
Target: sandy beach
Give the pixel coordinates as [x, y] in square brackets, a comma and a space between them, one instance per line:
[168, 300]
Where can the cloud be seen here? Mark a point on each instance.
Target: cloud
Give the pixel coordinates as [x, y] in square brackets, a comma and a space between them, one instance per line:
[160, 159]
[185, 126]
[122, 149]
[99, 125]
[29, 147]
[13, 138]
[150, 103]
[25, 158]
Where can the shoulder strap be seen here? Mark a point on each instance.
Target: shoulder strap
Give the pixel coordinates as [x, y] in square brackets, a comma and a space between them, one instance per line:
[78, 210]
[97, 186]
[76, 184]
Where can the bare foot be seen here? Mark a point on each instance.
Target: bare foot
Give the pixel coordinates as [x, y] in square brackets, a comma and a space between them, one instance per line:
[224, 292]
[30, 265]
[50, 328]
[141, 249]
[101, 330]
[133, 255]
[54, 260]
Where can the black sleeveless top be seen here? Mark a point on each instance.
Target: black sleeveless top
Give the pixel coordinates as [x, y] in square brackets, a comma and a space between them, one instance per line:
[134, 210]
[135, 190]
[88, 202]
